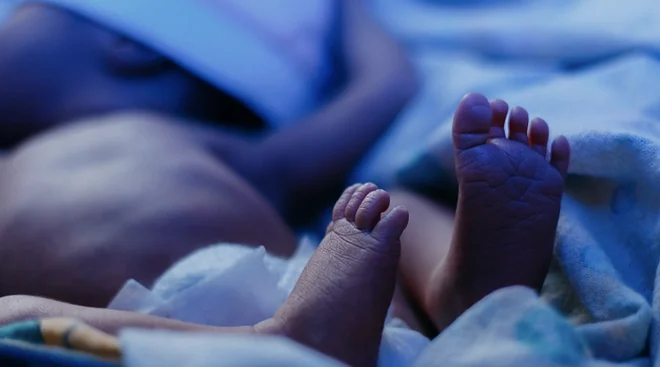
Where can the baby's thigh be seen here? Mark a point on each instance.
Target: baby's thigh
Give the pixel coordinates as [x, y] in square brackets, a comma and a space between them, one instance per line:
[79, 219]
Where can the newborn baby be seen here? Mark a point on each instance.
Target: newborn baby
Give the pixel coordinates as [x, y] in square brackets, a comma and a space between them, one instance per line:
[502, 237]
[118, 196]
[504, 233]
[506, 219]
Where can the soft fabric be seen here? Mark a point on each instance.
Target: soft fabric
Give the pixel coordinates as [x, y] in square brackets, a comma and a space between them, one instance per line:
[231, 285]
[603, 286]
[167, 349]
[6, 6]
[509, 328]
[58, 338]
[496, 46]
[273, 55]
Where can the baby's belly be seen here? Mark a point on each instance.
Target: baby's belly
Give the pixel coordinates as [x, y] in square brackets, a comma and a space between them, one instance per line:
[86, 210]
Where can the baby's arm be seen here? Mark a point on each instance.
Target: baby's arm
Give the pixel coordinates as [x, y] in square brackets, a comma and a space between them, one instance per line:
[23, 308]
[317, 154]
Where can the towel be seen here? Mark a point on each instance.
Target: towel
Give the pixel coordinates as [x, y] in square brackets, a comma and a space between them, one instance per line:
[273, 55]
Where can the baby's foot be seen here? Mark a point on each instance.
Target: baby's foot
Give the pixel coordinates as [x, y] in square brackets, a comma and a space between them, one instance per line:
[340, 303]
[508, 207]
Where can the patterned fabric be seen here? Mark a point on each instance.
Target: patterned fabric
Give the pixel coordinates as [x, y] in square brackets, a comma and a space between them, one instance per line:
[64, 337]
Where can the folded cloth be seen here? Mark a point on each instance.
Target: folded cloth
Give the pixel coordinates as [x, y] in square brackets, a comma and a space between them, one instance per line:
[63, 334]
[272, 55]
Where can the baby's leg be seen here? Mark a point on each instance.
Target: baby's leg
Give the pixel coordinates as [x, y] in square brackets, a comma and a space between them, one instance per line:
[425, 244]
[508, 208]
[340, 303]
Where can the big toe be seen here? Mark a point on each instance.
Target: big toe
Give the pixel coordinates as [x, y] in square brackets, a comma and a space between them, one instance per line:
[472, 122]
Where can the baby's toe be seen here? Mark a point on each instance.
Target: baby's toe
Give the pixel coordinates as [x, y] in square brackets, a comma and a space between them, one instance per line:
[391, 226]
[339, 210]
[369, 212]
[500, 110]
[518, 122]
[472, 122]
[356, 200]
[538, 136]
[560, 155]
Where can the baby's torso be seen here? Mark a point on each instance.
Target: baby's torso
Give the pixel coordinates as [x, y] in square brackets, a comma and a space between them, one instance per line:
[94, 204]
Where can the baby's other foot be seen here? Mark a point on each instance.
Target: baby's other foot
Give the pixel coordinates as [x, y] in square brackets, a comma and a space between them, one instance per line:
[340, 303]
[508, 207]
